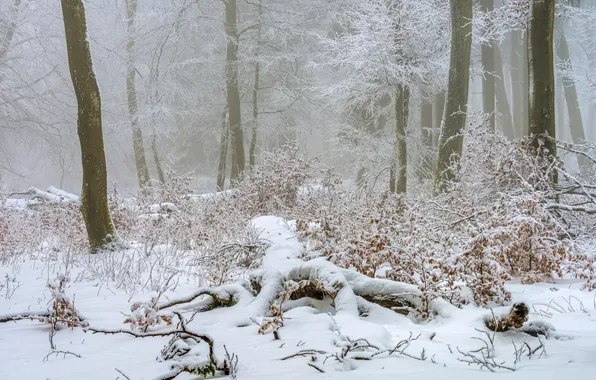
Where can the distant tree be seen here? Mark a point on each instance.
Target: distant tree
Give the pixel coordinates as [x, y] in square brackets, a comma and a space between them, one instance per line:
[382, 53]
[131, 92]
[233, 91]
[94, 201]
[7, 32]
[576, 123]
[488, 78]
[519, 82]
[451, 139]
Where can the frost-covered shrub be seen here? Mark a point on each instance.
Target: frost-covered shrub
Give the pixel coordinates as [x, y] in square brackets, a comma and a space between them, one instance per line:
[494, 223]
[273, 186]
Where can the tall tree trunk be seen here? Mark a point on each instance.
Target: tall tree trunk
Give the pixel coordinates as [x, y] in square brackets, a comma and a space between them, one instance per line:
[131, 92]
[438, 111]
[255, 118]
[94, 200]
[11, 25]
[426, 124]
[541, 77]
[160, 174]
[519, 82]
[503, 109]
[560, 109]
[398, 174]
[488, 78]
[451, 139]
[223, 152]
[255, 95]
[233, 92]
[576, 124]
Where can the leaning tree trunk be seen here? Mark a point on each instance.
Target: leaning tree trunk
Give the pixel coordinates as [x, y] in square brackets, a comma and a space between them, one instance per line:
[451, 139]
[488, 78]
[576, 124]
[503, 109]
[233, 92]
[398, 174]
[94, 200]
[223, 151]
[542, 79]
[131, 92]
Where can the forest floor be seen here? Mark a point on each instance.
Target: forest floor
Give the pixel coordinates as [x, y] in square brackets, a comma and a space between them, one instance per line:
[569, 352]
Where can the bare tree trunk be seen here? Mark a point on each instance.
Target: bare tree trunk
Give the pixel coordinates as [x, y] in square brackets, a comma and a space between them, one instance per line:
[223, 152]
[576, 124]
[438, 111]
[9, 32]
[503, 109]
[451, 139]
[255, 96]
[160, 175]
[426, 124]
[255, 118]
[233, 92]
[519, 82]
[398, 173]
[560, 109]
[542, 78]
[94, 200]
[131, 92]
[488, 78]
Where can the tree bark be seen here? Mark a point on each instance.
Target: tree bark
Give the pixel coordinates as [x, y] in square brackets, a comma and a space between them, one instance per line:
[233, 92]
[541, 77]
[451, 139]
[426, 124]
[131, 92]
[398, 173]
[255, 96]
[576, 124]
[519, 83]
[223, 152]
[160, 174]
[488, 78]
[503, 109]
[94, 200]
[438, 111]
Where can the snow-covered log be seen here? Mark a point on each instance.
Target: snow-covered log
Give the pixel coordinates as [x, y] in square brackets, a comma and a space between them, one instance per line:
[53, 195]
[346, 290]
[68, 197]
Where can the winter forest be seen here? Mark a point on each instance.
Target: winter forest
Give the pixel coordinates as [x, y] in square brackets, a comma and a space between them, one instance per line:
[297, 189]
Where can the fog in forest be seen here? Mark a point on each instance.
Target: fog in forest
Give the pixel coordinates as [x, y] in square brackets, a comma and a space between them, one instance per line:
[296, 189]
[318, 74]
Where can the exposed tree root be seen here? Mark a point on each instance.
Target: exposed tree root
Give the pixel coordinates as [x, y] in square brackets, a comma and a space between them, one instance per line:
[223, 296]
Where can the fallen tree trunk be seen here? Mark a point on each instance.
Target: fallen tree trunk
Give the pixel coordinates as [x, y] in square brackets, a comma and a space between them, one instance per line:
[319, 279]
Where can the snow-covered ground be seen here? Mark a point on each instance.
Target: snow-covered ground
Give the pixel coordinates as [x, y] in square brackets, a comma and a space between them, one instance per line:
[24, 345]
